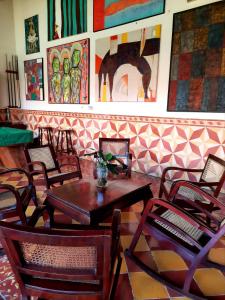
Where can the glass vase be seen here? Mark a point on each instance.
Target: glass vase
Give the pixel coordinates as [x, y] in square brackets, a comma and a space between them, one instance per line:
[102, 174]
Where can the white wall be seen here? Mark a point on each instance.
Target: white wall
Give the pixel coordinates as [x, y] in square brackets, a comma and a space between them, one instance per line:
[26, 8]
[7, 45]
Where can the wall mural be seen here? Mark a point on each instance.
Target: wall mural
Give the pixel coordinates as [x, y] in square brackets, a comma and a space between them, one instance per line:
[127, 66]
[32, 35]
[197, 71]
[110, 13]
[66, 17]
[34, 84]
[68, 73]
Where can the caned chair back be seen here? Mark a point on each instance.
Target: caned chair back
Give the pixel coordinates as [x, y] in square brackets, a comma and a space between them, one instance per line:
[55, 262]
[214, 171]
[120, 148]
[43, 154]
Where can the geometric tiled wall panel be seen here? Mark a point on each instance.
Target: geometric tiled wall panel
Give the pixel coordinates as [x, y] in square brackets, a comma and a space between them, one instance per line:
[156, 143]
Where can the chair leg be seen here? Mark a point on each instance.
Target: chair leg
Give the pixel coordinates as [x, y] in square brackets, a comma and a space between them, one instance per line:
[116, 278]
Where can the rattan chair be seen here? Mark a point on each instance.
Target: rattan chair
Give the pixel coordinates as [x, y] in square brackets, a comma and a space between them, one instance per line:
[192, 236]
[43, 160]
[120, 148]
[212, 176]
[15, 200]
[64, 264]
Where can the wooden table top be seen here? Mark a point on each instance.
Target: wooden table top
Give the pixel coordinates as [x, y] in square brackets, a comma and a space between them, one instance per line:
[83, 201]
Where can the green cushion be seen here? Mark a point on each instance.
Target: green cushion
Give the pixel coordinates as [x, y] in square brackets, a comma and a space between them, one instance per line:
[12, 136]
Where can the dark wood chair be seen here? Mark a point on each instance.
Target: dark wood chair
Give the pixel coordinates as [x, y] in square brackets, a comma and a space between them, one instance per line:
[43, 160]
[14, 201]
[212, 176]
[64, 264]
[192, 237]
[120, 148]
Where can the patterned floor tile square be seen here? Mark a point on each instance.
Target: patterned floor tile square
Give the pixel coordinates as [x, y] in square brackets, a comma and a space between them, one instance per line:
[129, 217]
[210, 281]
[167, 260]
[217, 255]
[145, 287]
[141, 245]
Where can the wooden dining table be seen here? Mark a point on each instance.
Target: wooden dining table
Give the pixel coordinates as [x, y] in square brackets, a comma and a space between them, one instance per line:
[85, 203]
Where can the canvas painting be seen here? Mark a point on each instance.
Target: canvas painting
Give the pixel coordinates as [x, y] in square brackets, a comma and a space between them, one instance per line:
[32, 35]
[197, 70]
[34, 83]
[68, 73]
[110, 13]
[127, 66]
[66, 17]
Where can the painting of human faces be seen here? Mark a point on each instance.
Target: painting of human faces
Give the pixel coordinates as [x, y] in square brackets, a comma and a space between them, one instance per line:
[68, 73]
[127, 66]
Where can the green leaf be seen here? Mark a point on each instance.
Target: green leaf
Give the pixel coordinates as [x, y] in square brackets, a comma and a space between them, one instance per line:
[108, 156]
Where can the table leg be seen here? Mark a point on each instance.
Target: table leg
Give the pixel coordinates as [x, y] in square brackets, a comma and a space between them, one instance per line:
[50, 210]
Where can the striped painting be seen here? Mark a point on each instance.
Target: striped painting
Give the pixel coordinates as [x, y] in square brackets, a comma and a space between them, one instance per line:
[66, 17]
[110, 13]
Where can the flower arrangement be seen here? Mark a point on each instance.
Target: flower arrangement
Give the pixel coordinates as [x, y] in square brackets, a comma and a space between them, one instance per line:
[105, 161]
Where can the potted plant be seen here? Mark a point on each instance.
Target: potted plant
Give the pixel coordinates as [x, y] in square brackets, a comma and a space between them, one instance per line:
[103, 164]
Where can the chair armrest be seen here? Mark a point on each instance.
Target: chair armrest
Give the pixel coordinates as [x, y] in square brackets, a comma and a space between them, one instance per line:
[42, 166]
[166, 170]
[19, 170]
[194, 187]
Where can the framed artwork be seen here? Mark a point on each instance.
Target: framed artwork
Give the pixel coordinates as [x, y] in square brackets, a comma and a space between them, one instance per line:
[32, 35]
[127, 66]
[197, 68]
[68, 73]
[34, 83]
[111, 13]
[66, 17]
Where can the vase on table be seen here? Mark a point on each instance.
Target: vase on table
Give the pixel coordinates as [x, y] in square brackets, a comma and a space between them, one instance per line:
[102, 174]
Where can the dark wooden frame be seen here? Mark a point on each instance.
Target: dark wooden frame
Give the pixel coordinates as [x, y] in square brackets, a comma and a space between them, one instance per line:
[127, 155]
[214, 186]
[198, 252]
[57, 283]
[58, 178]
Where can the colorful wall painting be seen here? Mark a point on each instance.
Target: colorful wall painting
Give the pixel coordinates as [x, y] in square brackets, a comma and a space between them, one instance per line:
[66, 17]
[197, 71]
[32, 35]
[127, 66]
[34, 83]
[68, 73]
[110, 13]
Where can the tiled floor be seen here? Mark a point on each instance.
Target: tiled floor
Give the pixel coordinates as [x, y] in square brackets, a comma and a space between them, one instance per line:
[133, 282]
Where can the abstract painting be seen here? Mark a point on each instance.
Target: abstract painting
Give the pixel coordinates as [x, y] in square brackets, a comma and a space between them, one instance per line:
[127, 66]
[110, 13]
[66, 17]
[68, 73]
[32, 35]
[197, 70]
[34, 84]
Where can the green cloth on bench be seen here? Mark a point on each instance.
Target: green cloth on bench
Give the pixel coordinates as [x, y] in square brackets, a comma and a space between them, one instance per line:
[12, 136]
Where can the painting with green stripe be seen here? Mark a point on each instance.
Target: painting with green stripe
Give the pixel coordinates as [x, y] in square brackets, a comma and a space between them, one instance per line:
[66, 18]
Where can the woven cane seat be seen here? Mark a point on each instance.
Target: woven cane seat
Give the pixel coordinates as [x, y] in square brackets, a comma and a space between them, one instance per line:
[213, 171]
[179, 222]
[59, 256]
